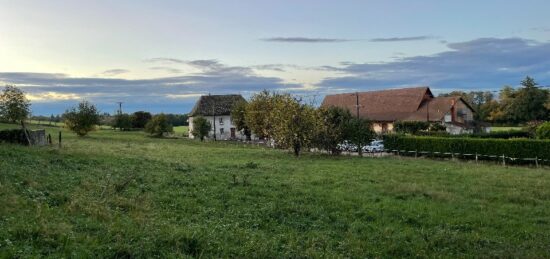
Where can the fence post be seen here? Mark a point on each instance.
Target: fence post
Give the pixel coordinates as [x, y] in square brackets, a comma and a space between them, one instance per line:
[476, 157]
[415, 153]
[59, 139]
[537, 161]
[503, 160]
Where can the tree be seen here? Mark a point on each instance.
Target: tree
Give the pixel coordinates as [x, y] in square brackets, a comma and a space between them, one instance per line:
[293, 122]
[140, 119]
[528, 103]
[330, 128]
[81, 119]
[158, 125]
[359, 132]
[259, 116]
[14, 106]
[201, 127]
[238, 117]
[123, 121]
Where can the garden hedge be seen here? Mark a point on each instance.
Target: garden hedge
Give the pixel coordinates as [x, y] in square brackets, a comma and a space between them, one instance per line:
[516, 148]
[13, 136]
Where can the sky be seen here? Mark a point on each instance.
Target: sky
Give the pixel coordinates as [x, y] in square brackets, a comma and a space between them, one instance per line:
[161, 55]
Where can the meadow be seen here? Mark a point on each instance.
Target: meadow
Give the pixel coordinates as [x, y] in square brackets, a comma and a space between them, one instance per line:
[125, 195]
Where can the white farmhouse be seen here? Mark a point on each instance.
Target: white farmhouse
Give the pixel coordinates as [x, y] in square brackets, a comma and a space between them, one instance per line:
[217, 110]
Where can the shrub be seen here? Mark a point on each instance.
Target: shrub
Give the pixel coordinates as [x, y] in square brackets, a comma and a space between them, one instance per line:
[139, 119]
[13, 136]
[543, 131]
[330, 128]
[519, 148]
[359, 132]
[159, 125]
[411, 127]
[201, 127]
[123, 122]
[82, 119]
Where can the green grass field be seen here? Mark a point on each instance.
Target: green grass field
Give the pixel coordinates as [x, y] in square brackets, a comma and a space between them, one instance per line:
[124, 195]
[181, 130]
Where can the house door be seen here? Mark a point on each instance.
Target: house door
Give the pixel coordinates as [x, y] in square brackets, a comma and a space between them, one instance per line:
[232, 132]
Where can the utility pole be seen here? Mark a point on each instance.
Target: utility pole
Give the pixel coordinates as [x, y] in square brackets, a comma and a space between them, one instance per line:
[119, 107]
[214, 114]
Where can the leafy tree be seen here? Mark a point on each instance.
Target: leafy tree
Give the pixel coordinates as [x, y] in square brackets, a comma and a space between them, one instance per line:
[293, 123]
[82, 119]
[528, 103]
[543, 131]
[259, 116]
[140, 119]
[359, 132]
[14, 106]
[159, 125]
[201, 127]
[123, 121]
[331, 123]
[238, 117]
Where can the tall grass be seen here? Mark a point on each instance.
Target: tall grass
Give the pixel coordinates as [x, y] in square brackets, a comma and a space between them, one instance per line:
[123, 195]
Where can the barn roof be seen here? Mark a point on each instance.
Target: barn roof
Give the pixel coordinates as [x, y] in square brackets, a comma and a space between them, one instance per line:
[384, 105]
[210, 105]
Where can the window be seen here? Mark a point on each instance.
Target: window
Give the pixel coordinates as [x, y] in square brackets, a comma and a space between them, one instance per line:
[221, 131]
[221, 121]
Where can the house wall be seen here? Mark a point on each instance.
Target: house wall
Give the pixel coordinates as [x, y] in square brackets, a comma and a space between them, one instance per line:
[224, 125]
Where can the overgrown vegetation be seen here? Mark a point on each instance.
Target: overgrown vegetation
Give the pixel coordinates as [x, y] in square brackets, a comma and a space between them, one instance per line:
[122, 195]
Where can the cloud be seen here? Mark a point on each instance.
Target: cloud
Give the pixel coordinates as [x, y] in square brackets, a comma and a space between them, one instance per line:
[52, 93]
[165, 60]
[304, 40]
[114, 72]
[486, 63]
[167, 69]
[398, 39]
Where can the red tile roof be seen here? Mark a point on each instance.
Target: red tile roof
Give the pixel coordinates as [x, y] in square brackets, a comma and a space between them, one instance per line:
[384, 105]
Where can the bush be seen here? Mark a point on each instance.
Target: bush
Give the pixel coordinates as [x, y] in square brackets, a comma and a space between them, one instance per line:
[543, 131]
[159, 125]
[13, 136]
[518, 148]
[123, 122]
[411, 127]
[139, 119]
[82, 119]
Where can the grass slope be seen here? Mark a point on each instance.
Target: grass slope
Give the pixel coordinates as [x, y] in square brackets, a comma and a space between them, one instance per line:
[122, 194]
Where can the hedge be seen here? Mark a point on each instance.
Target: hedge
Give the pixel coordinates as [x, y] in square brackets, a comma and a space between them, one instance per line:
[494, 134]
[516, 148]
[13, 136]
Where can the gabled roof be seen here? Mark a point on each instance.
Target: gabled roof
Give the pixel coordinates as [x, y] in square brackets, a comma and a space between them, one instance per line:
[437, 107]
[210, 105]
[384, 105]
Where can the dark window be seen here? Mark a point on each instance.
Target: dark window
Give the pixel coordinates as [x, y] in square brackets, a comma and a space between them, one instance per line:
[221, 130]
